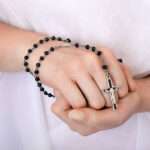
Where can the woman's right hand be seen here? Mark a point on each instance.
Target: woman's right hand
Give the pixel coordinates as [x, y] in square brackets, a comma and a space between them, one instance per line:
[77, 73]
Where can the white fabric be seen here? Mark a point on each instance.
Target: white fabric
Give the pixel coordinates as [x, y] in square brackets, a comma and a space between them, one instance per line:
[26, 122]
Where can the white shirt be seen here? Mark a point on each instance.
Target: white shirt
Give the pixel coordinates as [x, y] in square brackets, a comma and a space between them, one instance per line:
[26, 122]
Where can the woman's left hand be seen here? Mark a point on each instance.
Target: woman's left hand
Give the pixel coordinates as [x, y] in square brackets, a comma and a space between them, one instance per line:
[87, 121]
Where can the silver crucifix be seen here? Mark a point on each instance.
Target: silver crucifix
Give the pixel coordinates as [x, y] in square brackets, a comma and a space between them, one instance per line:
[111, 90]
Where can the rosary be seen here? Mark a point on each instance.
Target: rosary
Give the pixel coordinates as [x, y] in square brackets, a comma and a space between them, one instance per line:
[111, 88]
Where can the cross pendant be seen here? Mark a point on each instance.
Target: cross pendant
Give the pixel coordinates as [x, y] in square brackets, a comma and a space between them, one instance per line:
[112, 91]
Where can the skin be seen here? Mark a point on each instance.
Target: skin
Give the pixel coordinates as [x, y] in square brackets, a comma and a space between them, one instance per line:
[87, 121]
[75, 67]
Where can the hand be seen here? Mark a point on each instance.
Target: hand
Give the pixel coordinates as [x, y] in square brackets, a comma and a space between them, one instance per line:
[88, 121]
[78, 75]
[74, 72]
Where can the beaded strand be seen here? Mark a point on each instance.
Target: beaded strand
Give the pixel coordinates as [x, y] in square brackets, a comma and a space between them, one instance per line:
[46, 53]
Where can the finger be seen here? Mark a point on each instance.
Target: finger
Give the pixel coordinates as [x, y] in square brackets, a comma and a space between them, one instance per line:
[116, 72]
[70, 90]
[91, 117]
[64, 104]
[106, 119]
[93, 65]
[61, 108]
[129, 78]
[90, 90]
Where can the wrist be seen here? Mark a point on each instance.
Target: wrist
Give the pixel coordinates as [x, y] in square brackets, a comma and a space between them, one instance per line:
[13, 45]
[29, 38]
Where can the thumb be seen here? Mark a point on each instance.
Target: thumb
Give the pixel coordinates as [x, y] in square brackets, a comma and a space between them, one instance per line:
[77, 115]
[83, 115]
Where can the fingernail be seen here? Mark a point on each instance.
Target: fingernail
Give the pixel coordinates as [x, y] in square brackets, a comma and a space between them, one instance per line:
[120, 60]
[76, 115]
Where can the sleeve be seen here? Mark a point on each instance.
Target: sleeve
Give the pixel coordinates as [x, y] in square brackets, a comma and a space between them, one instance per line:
[4, 9]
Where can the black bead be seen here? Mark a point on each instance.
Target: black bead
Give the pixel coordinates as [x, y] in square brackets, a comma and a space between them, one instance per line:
[87, 46]
[39, 84]
[38, 64]
[29, 50]
[41, 58]
[93, 48]
[115, 106]
[26, 63]
[120, 60]
[41, 41]
[37, 78]
[53, 38]
[47, 39]
[27, 70]
[52, 49]
[35, 46]
[105, 67]
[59, 39]
[98, 53]
[36, 71]
[76, 44]
[45, 92]
[68, 40]
[26, 57]
[41, 89]
[46, 52]
[50, 95]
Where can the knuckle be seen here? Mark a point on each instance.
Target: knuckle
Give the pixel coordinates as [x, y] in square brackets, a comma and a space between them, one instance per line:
[123, 91]
[98, 104]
